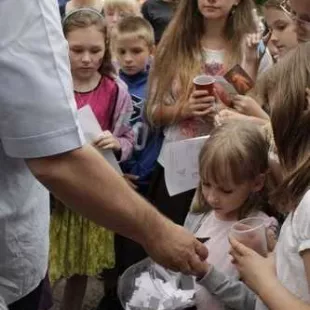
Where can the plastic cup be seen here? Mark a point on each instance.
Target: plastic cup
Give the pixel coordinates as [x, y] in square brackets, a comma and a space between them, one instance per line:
[155, 292]
[252, 233]
[204, 82]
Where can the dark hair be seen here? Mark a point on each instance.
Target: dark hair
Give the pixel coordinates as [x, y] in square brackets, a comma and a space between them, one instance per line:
[84, 18]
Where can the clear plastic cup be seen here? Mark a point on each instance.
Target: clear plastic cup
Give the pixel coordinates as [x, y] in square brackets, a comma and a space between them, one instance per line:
[252, 233]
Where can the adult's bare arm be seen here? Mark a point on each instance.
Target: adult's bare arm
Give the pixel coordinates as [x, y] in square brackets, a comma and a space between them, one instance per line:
[85, 182]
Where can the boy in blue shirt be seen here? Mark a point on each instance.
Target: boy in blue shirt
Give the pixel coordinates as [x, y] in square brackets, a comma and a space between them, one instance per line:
[134, 44]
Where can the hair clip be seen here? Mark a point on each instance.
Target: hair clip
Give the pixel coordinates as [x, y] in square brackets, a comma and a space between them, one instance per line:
[285, 6]
[81, 10]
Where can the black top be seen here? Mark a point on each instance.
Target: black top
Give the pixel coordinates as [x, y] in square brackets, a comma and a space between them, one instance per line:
[159, 14]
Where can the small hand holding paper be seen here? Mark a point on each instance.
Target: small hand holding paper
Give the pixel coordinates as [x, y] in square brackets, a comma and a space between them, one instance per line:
[227, 115]
[248, 106]
[107, 141]
[250, 48]
[254, 269]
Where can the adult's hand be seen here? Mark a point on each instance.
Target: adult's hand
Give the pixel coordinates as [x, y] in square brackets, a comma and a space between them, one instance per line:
[254, 269]
[177, 249]
[107, 200]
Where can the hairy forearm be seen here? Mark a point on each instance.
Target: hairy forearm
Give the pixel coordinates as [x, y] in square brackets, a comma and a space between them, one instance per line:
[85, 182]
[277, 297]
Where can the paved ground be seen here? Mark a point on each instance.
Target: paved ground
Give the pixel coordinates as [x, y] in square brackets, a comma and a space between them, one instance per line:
[93, 294]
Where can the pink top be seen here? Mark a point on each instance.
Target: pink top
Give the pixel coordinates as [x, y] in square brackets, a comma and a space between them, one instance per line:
[112, 106]
[102, 100]
[219, 247]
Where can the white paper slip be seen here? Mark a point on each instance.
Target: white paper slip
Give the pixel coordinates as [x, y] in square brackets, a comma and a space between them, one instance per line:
[92, 130]
[181, 164]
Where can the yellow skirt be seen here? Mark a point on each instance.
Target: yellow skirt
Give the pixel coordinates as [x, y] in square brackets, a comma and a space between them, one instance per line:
[78, 246]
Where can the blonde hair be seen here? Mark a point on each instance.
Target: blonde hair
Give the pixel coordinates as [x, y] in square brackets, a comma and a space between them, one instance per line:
[135, 27]
[284, 86]
[87, 17]
[278, 4]
[236, 152]
[130, 6]
[178, 56]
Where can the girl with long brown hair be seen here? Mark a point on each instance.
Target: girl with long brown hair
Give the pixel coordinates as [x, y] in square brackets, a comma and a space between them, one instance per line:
[204, 36]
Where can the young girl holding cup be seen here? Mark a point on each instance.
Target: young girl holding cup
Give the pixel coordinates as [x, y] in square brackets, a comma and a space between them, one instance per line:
[204, 37]
[283, 283]
[233, 169]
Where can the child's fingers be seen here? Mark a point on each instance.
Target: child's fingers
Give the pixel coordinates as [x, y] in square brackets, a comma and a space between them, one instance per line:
[108, 146]
[204, 112]
[104, 142]
[106, 133]
[132, 177]
[204, 99]
[200, 93]
[201, 106]
[128, 178]
[238, 249]
[271, 239]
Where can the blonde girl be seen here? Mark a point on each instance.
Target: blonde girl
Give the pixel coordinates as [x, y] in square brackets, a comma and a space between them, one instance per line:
[203, 37]
[233, 167]
[79, 248]
[286, 285]
[115, 10]
[282, 26]
[283, 38]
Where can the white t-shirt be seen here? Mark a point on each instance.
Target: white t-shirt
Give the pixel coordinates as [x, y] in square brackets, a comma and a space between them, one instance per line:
[294, 239]
[218, 248]
[191, 128]
[37, 119]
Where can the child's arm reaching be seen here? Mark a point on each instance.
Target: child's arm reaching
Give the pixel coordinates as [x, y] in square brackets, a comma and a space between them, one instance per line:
[233, 293]
[200, 104]
[260, 275]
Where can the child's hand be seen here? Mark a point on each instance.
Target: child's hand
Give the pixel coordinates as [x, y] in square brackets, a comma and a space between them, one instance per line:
[200, 104]
[271, 239]
[255, 270]
[226, 115]
[130, 179]
[250, 48]
[107, 141]
[203, 273]
[248, 106]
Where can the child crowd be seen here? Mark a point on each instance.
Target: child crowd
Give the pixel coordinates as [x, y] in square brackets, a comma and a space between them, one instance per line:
[134, 66]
